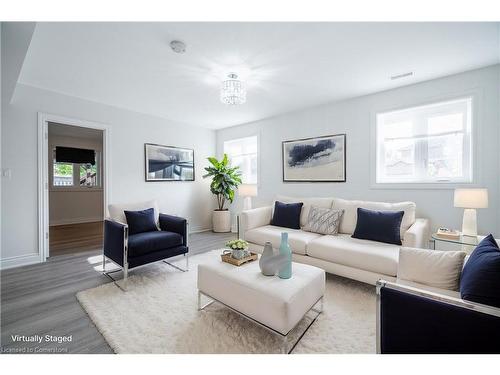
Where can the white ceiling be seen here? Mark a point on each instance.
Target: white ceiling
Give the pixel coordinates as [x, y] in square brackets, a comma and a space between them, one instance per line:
[287, 66]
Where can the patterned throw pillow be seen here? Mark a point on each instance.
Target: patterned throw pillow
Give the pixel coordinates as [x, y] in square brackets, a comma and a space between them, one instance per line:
[323, 220]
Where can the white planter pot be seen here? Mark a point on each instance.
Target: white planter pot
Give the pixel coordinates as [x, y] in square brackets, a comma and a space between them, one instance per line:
[221, 221]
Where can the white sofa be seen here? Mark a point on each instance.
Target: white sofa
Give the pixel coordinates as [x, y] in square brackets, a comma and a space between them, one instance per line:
[363, 260]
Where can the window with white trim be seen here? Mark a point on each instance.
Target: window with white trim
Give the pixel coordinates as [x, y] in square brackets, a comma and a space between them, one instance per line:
[75, 175]
[425, 144]
[242, 152]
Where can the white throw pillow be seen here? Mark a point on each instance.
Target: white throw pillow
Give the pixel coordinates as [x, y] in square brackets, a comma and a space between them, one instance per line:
[323, 220]
[438, 269]
[116, 211]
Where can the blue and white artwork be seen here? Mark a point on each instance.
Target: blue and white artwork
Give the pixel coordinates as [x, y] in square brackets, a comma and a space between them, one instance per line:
[320, 159]
[165, 163]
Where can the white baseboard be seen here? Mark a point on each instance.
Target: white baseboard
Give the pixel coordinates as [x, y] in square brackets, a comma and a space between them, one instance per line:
[80, 220]
[18, 261]
[198, 230]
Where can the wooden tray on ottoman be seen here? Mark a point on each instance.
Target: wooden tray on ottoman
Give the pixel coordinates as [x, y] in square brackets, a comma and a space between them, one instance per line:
[238, 262]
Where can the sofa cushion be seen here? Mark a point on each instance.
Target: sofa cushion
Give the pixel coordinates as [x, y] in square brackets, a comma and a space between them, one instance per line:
[287, 215]
[323, 220]
[350, 207]
[362, 254]
[147, 242]
[117, 211]
[480, 280]
[297, 239]
[437, 269]
[307, 203]
[381, 226]
[141, 221]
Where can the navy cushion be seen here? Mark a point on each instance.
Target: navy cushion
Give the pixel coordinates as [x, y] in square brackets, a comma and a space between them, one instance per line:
[141, 221]
[381, 226]
[148, 242]
[287, 215]
[480, 280]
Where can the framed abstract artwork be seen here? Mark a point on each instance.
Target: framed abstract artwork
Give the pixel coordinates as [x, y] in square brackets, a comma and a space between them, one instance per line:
[167, 163]
[319, 159]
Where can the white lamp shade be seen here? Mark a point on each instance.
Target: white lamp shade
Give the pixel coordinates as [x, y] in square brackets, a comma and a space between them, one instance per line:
[247, 190]
[471, 198]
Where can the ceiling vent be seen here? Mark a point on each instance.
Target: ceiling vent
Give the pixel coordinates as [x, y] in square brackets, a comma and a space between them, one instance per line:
[399, 76]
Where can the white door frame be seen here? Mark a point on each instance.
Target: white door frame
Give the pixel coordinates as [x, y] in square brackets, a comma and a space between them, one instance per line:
[43, 171]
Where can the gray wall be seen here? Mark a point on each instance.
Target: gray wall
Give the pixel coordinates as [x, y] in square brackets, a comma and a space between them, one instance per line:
[129, 132]
[355, 118]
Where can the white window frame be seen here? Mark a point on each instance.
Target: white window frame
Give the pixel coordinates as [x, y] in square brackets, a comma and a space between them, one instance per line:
[475, 172]
[254, 135]
[76, 176]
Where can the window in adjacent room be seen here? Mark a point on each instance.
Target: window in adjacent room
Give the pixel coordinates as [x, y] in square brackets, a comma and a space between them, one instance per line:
[243, 153]
[425, 144]
[83, 175]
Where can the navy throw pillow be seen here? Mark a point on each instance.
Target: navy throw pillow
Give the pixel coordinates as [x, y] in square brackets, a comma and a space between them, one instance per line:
[381, 226]
[287, 215]
[480, 280]
[141, 221]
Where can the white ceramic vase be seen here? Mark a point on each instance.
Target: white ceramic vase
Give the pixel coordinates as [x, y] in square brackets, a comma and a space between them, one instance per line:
[221, 221]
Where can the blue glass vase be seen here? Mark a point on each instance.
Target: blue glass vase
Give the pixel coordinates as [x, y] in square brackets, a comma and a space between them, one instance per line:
[285, 271]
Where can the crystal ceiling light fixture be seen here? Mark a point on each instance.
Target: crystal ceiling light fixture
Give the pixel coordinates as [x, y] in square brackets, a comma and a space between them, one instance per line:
[233, 91]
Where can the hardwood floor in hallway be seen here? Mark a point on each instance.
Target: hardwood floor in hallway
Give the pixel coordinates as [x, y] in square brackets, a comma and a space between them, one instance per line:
[75, 238]
[40, 300]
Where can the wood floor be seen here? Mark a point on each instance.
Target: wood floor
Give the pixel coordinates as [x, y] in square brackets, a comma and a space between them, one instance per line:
[40, 300]
[73, 238]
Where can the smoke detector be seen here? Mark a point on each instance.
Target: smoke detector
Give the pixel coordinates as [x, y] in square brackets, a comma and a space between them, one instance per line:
[178, 46]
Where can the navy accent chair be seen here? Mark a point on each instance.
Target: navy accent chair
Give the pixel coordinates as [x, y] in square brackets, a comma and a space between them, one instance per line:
[415, 321]
[130, 251]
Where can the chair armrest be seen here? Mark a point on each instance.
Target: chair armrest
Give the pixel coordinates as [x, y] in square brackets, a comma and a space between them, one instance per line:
[418, 234]
[115, 241]
[254, 218]
[175, 224]
[412, 320]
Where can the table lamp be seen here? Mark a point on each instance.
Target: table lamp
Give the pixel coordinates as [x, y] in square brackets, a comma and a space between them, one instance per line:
[248, 191]
[470, 199]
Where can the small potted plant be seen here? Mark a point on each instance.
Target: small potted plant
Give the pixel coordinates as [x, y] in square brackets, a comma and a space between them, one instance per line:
[239, 248]
[225, 180]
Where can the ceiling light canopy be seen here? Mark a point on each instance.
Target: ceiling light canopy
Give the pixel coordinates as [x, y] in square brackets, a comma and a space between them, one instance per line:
[178, 46]
[233, 91]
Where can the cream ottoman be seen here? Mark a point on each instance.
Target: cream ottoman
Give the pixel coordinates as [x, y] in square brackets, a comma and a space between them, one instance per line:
[277, 304]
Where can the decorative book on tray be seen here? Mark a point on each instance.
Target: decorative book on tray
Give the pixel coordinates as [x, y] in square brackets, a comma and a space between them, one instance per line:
[448, 234]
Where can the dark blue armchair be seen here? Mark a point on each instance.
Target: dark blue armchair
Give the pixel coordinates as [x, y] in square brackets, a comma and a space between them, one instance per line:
[130, 251]
[415, 321]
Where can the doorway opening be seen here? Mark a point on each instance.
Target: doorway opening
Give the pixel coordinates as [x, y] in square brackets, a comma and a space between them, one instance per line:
[73, 185]
[75, 189]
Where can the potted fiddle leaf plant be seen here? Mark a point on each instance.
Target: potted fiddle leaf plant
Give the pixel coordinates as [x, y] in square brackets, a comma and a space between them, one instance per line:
[225, 181]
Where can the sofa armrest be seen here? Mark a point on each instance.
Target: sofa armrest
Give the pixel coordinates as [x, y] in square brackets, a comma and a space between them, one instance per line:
[412, 320]
[175, 224]
[254, 218]
[418, 234]
[115, 241]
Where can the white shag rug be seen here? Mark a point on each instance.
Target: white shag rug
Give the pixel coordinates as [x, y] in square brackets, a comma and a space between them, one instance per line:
[158, 314]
